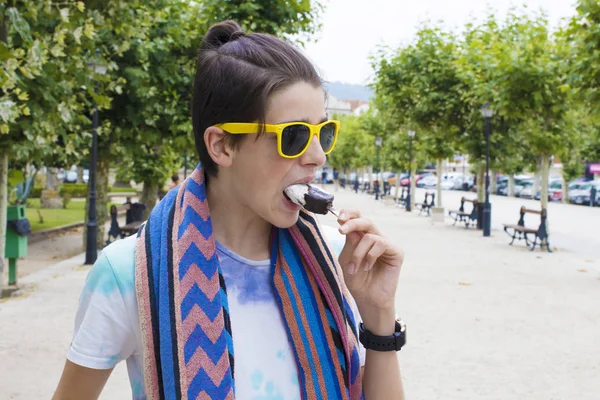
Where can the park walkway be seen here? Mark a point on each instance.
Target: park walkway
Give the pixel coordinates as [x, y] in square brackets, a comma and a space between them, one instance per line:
[485, 320]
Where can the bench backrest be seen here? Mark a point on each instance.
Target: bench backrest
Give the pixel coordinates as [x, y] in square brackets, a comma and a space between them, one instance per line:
[543, 213]
[432, 202]
[464, 200]
[114, 210]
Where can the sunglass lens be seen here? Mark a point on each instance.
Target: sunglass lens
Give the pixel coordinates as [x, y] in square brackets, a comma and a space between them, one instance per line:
[327, 136]
[294, 139]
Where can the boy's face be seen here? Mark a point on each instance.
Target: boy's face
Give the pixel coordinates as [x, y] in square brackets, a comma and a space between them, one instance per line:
[262, 174]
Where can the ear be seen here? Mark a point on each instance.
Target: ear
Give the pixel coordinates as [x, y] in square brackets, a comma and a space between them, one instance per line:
[215, 140]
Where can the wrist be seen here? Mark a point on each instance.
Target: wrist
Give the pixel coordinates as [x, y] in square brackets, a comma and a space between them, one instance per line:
[380, 322]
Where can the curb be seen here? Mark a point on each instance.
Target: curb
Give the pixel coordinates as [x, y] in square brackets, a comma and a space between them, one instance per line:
[44, 234]
[29, 282]
[50, 272]
[38, 236]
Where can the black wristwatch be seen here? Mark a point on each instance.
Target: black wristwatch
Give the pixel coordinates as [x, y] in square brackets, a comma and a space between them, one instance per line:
[384, 343]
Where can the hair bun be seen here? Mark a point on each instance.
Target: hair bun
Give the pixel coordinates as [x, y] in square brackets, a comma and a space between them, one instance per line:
[221, 33]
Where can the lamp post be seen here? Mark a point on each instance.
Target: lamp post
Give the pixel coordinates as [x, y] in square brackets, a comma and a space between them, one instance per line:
[185, 159]
[378, 143]
[411, 135]
[91, 249]
[487, 113]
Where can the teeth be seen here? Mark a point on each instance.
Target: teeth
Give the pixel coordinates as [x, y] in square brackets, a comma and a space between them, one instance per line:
[297, 193]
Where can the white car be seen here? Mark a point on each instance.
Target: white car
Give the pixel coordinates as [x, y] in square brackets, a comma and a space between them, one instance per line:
[580, 192]
[428, 182]
[447, 184]
[522, 184]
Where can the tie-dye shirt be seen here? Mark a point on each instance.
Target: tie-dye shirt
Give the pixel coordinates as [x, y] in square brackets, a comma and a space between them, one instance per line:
[107, 324]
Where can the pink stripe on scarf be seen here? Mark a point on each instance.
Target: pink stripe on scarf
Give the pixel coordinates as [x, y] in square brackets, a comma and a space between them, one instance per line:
[143, 300]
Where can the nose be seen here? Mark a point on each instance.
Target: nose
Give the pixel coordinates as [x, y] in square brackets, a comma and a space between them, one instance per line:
[314, 155]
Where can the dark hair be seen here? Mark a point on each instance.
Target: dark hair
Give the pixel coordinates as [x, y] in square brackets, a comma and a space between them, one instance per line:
[236, 73]
[175, 178]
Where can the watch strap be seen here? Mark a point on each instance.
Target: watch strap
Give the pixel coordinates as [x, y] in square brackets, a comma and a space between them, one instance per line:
[383, 343]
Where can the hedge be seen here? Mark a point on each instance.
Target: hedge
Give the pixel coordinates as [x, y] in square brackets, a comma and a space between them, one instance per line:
[77, 190]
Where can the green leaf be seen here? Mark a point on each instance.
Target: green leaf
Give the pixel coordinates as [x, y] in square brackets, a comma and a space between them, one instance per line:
[18, 23]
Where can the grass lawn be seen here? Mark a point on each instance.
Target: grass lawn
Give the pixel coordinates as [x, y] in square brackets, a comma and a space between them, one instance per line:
[75, 212]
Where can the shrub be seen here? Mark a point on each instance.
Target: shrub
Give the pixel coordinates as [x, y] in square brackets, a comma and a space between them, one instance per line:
[74, 189]
[36, 192]
[66, 199]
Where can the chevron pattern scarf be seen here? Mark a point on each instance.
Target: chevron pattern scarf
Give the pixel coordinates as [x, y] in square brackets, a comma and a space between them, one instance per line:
[184, 317]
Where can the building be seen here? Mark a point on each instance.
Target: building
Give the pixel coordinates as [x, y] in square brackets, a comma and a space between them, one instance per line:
[336, 106]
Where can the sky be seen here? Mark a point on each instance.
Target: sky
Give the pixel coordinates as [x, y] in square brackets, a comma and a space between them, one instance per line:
[353, 29]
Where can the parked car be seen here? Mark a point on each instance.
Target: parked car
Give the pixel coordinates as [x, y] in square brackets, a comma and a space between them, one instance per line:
[521, 184]
[428, 182]
[392, 179]
[404, 181]
[580, 192]
[554, 191]
[70, 177]
[526, 190]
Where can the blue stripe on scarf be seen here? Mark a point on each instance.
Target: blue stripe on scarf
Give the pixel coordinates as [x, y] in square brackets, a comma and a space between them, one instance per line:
[158, 235]
[297, 269]
[314, 319]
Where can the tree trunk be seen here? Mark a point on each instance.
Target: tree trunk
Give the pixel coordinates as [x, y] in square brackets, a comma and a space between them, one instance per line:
[149, 196]
[3, 206]
[413, 185]
[493, 181]
[565, 190]
[101, 201]
[538, 175]
[370, 176]
[439, 169]
[545, 172]
[102, 197]
[52, 179]
[511, 186]
[397, 185]
[481, 182]
[80, 175]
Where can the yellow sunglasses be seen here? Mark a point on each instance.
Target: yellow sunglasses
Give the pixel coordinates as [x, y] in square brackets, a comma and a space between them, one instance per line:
[293, 138]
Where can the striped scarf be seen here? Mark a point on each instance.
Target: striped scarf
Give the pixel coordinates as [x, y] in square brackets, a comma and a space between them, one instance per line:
[184, 314]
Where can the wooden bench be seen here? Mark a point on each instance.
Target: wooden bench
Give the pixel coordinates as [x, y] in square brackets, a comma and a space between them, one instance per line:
[520, 231]
[134, 217]
[426, 206]
[461, 215]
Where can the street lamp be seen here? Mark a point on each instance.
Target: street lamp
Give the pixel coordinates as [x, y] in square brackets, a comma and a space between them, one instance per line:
[487, 113]
[378, 143]
[411, 135]
[91, 249]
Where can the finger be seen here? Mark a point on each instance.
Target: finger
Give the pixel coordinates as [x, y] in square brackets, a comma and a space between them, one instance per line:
[358, 259]
[352, 241]
[346, 215]
[359, 225]
[373, 255]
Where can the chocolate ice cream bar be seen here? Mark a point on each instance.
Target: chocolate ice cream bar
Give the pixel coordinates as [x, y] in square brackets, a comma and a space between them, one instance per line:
[310, 197]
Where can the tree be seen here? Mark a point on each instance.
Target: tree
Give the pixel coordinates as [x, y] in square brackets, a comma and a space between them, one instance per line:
[532, 86]
[152, 73]
[421, 83]
[43, 67]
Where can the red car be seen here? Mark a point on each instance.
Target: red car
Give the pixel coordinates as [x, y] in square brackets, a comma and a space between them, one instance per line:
[405, 181]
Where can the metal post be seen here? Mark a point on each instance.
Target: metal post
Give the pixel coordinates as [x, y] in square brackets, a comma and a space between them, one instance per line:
[487, 207]
[407, 207]
[91, 251]
[377, 175]
[185, 159]
[12, 271]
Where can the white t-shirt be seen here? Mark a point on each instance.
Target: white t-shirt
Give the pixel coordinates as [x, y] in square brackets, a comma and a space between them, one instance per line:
[107, 328]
